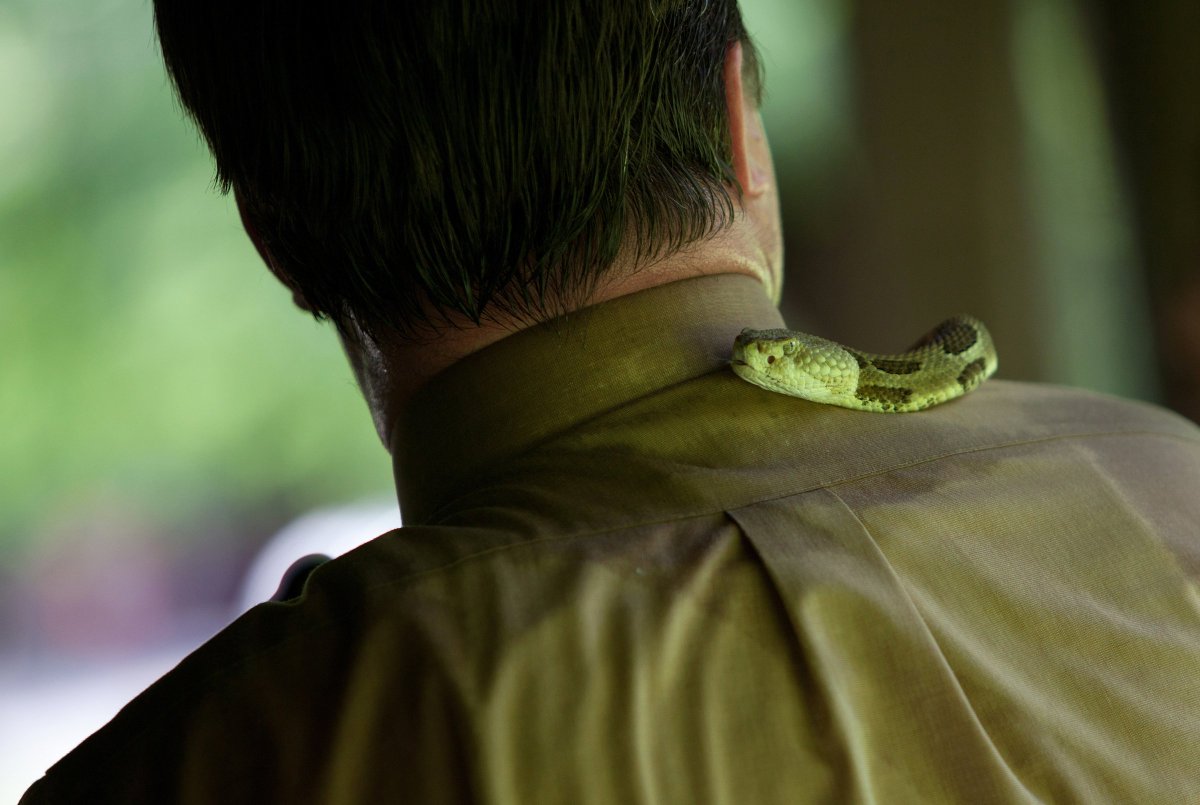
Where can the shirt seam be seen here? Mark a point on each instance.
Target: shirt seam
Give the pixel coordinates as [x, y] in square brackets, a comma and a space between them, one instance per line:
[996, 446]
[916, 610]
[725, 508]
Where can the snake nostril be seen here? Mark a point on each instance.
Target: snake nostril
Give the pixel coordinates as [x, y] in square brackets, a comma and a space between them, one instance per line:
[770, 359]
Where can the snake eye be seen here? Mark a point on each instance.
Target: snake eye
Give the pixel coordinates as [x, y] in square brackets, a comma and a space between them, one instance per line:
[790, 348]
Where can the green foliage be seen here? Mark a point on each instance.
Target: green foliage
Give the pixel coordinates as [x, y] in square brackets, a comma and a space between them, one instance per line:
[148, 356]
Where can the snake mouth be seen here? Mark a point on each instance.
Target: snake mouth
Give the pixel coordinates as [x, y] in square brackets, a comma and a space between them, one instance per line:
[737, 362]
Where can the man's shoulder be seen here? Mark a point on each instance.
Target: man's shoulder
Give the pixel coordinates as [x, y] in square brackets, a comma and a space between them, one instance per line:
[262, 705]
[717, 443]
[1006, 413]
[1023, 427]
[1002, 414]
[1049, 405]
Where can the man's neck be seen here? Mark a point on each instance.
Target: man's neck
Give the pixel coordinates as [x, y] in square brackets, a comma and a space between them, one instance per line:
[389, 374]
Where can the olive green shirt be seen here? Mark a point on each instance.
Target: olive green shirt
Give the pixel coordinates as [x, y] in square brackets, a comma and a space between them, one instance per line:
[627, 576]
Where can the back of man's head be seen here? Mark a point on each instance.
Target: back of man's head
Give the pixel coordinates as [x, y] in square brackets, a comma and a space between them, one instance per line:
[404, 162]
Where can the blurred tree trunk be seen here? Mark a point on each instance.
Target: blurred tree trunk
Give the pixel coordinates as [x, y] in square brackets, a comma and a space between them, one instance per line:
[1151, 58]
[985, 182]
[942, 221]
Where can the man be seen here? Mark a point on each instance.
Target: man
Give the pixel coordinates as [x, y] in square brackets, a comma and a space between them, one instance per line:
[626, 575]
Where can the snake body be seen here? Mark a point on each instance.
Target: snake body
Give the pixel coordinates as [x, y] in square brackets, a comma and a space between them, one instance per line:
[947, 362]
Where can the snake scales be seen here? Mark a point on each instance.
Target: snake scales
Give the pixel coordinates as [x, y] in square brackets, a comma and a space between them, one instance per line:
[947, 362]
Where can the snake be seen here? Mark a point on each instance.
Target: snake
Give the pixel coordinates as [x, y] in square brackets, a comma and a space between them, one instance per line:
[952, 359]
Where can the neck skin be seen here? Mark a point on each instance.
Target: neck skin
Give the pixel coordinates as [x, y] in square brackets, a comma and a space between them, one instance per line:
[390, 373]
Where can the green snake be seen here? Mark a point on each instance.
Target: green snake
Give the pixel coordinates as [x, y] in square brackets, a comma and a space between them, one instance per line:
[947, 362]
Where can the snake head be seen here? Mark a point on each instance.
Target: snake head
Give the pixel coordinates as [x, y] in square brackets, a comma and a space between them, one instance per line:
[793, 363]
[763, 349]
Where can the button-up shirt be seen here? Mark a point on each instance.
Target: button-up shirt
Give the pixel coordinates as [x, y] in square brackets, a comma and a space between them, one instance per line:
[628, 576]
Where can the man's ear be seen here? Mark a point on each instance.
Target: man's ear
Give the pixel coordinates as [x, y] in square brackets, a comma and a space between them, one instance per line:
[281, 275]
[745, 127]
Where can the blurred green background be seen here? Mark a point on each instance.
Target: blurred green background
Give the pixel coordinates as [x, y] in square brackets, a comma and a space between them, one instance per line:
[1032, 162]
[149, 363]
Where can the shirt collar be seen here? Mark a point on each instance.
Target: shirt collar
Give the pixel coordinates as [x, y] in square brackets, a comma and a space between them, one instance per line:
[502, 400]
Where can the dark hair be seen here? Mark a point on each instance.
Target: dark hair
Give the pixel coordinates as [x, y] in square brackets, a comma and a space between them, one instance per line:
[400, 162]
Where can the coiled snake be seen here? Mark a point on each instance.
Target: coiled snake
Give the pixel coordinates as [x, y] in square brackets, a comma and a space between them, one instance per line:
[947, 362]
